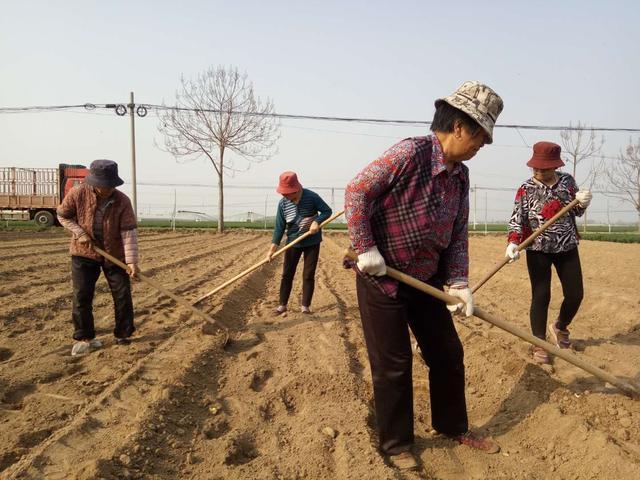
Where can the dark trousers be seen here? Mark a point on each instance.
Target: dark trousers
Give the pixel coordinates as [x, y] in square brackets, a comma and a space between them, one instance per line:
[385, 321]
[85, 273]
[567, 266]
[291, 259]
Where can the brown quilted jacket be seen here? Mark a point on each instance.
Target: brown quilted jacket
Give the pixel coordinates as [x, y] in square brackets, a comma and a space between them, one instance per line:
[80, 205]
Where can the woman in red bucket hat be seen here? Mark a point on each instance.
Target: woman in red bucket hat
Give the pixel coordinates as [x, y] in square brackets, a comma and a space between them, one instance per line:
[537, 200]
[300, 210]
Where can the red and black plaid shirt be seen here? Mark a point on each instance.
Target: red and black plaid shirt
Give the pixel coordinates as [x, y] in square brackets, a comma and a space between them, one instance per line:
[414, 211]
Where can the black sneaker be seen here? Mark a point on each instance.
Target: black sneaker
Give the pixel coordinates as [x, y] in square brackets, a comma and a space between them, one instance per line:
[123, 341]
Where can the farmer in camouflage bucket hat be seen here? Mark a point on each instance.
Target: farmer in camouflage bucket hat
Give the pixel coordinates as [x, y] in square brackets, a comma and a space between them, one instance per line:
[409, 209]
[478, 101]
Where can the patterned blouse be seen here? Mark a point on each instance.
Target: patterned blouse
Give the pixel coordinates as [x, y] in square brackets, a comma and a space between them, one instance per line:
[408, 205]
[535, 204]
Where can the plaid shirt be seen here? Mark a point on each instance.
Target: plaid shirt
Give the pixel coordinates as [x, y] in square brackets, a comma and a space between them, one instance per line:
[414, 211]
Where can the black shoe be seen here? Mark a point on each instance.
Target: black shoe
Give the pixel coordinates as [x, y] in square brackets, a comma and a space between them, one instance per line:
[123, 341]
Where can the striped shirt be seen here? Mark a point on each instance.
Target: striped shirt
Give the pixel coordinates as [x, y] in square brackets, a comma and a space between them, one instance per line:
[103, 204]
[297, 218]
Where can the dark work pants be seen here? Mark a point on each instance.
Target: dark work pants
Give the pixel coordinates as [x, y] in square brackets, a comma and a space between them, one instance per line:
[85, 273]
[570, 274]
[385, 321]
[291, 259]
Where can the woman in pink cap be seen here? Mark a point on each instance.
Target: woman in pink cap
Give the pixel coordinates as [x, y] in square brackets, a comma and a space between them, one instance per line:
[299, 211]
[537, 200]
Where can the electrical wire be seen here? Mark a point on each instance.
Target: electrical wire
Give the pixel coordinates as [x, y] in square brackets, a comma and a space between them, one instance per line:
[371, 121]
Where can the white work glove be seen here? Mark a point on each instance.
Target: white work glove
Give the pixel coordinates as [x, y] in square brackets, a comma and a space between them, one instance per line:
[512, 252]
[372, 263]
[584, 198]
[465, 295]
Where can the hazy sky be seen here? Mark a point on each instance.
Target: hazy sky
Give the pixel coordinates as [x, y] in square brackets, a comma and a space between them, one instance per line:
[552, 62]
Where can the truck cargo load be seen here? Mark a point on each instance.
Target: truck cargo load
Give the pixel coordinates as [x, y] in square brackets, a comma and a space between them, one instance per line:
[34, 193]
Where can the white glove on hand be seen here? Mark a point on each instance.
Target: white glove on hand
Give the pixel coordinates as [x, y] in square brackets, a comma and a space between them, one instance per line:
[465, 295]
[512, 252]
[584, 198]
[372, 263]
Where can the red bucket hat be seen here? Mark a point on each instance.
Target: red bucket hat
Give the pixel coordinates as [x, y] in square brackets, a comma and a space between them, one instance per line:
[288, 183]
[546, 155]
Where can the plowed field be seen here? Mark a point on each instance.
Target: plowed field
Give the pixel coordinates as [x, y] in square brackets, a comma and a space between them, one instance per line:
[290, 397]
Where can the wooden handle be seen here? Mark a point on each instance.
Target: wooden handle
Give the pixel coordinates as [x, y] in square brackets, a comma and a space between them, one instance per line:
[412, 282]
[528, 241]
[629, 389]
[181, 301]
[262, 262]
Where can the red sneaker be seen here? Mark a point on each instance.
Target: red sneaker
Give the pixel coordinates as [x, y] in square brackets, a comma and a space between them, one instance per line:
[473, 440]
[540, 355]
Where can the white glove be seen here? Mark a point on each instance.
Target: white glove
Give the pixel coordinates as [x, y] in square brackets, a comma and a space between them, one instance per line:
[465, 295]
[512, 252]
[584, 198]
[372, 262]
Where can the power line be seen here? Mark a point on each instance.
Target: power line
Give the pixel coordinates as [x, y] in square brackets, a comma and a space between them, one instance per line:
[270, 187]
[226, 186]
[49, 108]
[396, 122]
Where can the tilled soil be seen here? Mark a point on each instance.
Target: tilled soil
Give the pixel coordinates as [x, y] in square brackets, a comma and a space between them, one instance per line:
[290, 397]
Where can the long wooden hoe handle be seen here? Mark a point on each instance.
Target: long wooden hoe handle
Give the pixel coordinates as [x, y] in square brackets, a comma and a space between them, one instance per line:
[528, 241]
[262, 262]
[629, 389]
[181, 301]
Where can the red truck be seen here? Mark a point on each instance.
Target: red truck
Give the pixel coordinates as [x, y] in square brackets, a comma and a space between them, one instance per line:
[34, 193]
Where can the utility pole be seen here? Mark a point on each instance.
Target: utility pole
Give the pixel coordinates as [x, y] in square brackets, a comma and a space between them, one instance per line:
[486, 210]
[475, 204]
[265, 211]
[141, 111]
[132, 113]
[173, 216]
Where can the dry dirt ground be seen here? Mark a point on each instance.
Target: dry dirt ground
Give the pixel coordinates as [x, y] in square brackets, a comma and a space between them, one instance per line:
[290, 397]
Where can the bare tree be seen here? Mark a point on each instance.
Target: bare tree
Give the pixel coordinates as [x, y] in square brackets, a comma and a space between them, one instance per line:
[624, 175]
[580, 143]
[215, 111]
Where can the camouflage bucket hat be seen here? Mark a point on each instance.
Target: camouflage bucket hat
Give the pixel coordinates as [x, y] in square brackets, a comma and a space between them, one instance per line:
[478, 101]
